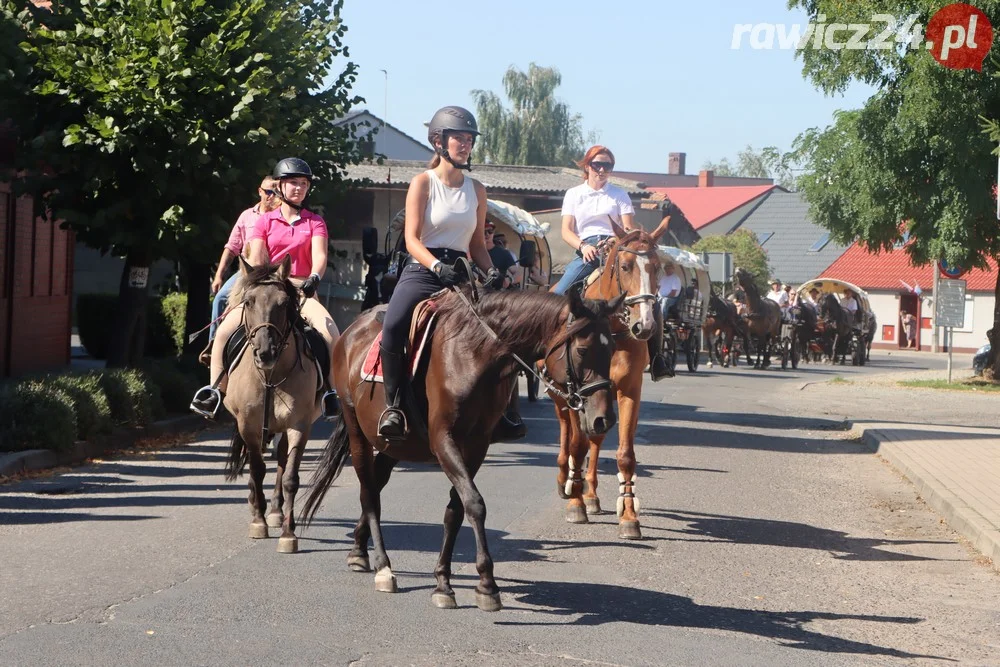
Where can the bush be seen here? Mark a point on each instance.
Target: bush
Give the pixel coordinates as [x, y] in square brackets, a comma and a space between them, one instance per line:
[36, 415]
[165, 323]
[176, 387]
[89, 402]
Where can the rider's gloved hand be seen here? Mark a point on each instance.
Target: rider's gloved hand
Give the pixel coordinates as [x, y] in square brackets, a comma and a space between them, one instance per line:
[494, 279]
[447, 274]
[310, 284]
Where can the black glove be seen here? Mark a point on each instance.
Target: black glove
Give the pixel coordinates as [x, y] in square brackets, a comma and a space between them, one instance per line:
[448, 275]
[494, 279]
[310, 284]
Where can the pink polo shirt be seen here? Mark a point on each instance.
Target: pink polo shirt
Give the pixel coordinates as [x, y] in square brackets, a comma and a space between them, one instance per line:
[243, 230]
[295, 240]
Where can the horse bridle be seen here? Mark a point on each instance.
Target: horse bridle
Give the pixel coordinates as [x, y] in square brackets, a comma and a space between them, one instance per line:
[624, 315]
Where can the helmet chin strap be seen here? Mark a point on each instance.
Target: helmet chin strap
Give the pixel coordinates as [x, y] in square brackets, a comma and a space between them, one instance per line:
[443, 152]
[281, 196]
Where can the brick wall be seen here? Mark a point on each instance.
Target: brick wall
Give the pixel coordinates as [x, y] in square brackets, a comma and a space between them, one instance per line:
[35, 289]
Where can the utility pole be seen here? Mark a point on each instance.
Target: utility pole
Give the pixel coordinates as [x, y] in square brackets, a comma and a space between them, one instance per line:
[934, 319]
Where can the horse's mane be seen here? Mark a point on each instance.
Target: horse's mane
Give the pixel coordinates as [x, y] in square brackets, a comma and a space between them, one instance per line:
[751, 291]
[519, 318]
[257, 275]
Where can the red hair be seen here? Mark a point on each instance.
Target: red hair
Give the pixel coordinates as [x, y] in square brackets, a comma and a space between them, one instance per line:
[591, 153]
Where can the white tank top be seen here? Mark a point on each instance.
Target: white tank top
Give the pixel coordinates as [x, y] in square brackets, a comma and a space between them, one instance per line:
[450, 216]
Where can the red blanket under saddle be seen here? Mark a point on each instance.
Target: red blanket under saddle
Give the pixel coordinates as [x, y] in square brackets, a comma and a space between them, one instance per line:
[371, 370]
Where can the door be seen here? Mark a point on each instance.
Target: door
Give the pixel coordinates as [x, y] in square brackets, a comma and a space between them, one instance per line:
[911, 304]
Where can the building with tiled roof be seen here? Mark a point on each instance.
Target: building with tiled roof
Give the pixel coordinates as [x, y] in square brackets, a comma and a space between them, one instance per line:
[377, 137]
[894, 284]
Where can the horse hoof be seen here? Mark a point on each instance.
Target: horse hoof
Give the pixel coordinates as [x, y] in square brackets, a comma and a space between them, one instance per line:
[258, 531]
[488, 602]
[709, 364]
[275, 519]
[629, 530]
[576, 514]
[288, 545]
[359, 563]
[592, 505]
[444, 600]
[385, 581]
[562, 490]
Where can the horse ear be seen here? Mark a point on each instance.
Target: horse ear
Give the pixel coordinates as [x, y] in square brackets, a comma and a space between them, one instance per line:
[618, 229]
[576, 306]
[285, 268]
[614, 305]
[244, 266]
[661, 229]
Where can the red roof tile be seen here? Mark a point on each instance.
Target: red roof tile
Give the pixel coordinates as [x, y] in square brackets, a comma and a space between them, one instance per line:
[704, 205]
[889, 270]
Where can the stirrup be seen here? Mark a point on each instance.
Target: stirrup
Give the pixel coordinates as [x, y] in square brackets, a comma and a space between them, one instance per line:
[331, 405]
[202, 398]
[402, 415]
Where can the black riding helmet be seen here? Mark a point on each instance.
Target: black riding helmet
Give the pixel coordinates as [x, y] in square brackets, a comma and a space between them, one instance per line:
[287, 168]
[451, 119]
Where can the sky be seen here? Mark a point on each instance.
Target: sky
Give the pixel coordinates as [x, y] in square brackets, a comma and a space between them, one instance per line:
[648, 77]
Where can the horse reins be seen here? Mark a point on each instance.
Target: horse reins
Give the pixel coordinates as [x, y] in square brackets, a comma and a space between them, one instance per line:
[572, 394]
[616, 270]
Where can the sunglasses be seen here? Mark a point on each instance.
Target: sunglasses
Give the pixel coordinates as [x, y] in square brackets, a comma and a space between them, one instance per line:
[269, 193]
[602, 166]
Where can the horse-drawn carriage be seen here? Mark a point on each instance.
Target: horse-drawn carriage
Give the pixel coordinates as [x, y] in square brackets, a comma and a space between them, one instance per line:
[853, 339]
[682, 325]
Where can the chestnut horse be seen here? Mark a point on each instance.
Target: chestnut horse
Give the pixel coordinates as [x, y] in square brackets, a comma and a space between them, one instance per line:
[763, 319]
[468, 379]
[632, 269]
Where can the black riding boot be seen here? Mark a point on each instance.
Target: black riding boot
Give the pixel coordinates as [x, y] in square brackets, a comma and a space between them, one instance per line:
[392, 425]
[658, 366]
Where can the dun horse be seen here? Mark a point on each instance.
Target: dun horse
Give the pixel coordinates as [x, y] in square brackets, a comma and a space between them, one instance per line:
[467, 380]
[274, 391]
[632, 271]
[763, 319]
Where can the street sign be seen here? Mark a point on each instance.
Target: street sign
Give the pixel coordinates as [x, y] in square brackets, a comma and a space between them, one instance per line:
[949, 303]
[720, 266]
[949, 271]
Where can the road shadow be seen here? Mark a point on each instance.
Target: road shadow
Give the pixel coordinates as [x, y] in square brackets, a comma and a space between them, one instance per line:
[789, 534]
[597, 604]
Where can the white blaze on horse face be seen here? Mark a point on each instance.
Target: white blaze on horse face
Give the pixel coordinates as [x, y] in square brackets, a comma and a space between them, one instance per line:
[645, 287]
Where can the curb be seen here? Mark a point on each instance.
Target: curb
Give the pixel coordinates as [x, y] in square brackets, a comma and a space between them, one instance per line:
[965, 520]
[32, 460]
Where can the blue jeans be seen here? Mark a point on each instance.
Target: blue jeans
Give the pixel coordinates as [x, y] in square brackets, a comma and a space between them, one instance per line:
[577, 270]
[666, 303]
[220, 302]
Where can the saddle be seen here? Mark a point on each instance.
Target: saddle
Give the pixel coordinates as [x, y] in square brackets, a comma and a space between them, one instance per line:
[421, 327]
[316, 349]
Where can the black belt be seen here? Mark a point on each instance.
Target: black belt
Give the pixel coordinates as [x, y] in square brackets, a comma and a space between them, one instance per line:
[446, 255]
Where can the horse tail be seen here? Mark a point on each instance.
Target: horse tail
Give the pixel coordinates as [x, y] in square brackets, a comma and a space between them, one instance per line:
[331, 462]
[238, 456]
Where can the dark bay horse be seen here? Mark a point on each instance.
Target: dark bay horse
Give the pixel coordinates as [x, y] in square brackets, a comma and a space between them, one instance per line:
[837, 328]
[763, 319]
[806, 330]
[468, 379]
[274, 391]
[632, 271]
[720, 329]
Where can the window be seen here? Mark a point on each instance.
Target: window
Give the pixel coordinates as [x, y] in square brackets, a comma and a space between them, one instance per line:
[762, 237]
[821, 243]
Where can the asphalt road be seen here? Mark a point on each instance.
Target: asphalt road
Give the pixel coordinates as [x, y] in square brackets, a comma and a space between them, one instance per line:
[771, 538]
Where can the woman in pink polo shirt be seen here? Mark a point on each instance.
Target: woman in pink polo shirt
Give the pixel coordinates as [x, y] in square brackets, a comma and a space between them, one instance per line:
[290, 230]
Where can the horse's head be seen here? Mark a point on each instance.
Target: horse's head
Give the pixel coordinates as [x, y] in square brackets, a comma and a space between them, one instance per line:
[584, 367]
[270, 309]
[744, 278]
[634, 270]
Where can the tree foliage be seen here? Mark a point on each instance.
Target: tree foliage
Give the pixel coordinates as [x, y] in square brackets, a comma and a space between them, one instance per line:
[768, 162]
[746, 251]
[147, 124]
[537, 129]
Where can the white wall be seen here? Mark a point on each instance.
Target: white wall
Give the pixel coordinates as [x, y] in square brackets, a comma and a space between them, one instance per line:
[978, 320]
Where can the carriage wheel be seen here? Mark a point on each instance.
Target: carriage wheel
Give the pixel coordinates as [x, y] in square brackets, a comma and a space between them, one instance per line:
[856, 351]
[795, 352]
[785, 352]
[670, 350]
[720, 351]
[693, 353]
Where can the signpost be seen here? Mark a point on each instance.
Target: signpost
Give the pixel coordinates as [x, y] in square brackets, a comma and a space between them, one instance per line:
[949, 310]
[720, 267]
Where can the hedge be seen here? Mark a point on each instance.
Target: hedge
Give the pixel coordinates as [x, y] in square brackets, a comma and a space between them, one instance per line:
[165, 323]
[51, 412]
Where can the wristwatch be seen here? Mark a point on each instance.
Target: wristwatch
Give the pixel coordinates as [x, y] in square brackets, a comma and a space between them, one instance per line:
[437, 264]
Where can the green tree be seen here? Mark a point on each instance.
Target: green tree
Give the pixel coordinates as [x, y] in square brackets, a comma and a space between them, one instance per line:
[915, 158]
[145, 125]
[746, 252]
[538, 129]
[768, 162]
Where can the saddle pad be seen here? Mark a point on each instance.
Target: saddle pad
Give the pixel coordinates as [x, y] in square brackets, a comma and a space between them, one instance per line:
[320, 352]
[420, 334]
[234, 346]
[592, 278]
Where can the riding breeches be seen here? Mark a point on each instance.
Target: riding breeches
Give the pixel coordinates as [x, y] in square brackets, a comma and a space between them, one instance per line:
[312, 312]
[415, 284]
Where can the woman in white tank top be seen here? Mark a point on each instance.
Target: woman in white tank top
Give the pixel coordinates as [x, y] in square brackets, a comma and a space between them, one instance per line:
[445, 220]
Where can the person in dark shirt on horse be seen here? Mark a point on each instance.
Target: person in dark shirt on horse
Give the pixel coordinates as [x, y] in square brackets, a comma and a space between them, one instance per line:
[445, 221]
